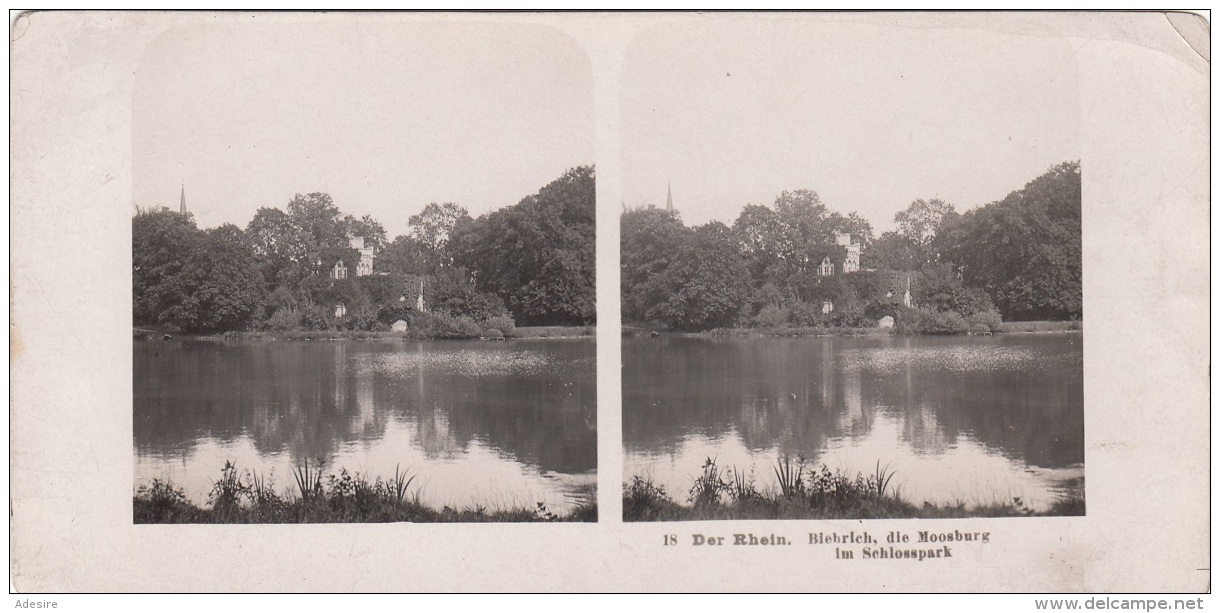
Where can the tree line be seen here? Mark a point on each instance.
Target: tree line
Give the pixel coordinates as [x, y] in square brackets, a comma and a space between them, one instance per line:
[1015, 259]
[527, 264]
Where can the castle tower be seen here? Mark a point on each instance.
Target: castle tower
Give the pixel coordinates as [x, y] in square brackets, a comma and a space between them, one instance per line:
[182, 201]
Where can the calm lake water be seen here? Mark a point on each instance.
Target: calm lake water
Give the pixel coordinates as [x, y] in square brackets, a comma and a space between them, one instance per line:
[972, 419]
[498, 424]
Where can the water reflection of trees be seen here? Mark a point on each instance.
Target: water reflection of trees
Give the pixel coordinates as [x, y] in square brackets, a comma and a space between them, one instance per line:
[308, 399]
[795, 394]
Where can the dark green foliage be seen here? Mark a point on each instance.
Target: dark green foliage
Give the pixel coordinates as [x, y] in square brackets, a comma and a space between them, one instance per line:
[452, 293]
[1025, 249]
[649, 243]
[192, 280]
[431, 230]
[925, 320]
[704, 287]
[893, 251]
[405, 256]
[538, 256]
[1019, 257]
[502, 323]
[709, 486]
[278, 276]
[218, 288]
[161, 501]
[645, 501]
[161, 243]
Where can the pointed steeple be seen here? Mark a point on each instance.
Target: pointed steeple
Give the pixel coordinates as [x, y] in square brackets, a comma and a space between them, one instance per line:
[182, 202]
[669, 198]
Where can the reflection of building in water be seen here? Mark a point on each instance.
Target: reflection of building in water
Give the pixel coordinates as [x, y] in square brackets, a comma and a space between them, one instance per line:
[828, 375]
[366, 413]
[435, 432]
[340, 377]
[853, 414]
[921, 428]
[754, 416]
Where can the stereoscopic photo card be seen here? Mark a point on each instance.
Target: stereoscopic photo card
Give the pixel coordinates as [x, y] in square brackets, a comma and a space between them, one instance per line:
[797, 302]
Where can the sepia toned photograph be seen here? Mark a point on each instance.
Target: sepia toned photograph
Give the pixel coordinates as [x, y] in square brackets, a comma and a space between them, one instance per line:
[363, 275]
[851, 275]
[403, 286]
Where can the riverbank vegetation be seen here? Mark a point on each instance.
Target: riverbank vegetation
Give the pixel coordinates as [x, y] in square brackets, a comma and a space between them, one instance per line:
[244, 497]
[798, 490]
[299, 270]
[790, 266]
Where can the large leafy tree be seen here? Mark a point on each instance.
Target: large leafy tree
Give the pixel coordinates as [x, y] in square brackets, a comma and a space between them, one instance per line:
[431, 230]
[161, 242]
[649, 240]
[859, 228]
[893, 251]
[758, 232]
[802, 221]
[706, 286]
[1025, 250]
[914, 245]
[280, 245]
[319, 221]
[537, 255]
[219, 286]
[368, 228]
[404, 256]
[920, 220]
[300, 241]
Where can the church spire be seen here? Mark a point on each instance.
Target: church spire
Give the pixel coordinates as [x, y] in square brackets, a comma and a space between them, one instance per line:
[182, 202]
[669, 198]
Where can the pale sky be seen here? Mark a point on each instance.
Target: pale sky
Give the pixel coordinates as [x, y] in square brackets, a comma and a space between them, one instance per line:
[385, 117]
[870, 116]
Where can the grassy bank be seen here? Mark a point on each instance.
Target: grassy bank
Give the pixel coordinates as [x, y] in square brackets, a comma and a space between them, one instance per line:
[799, 332]
[1028, 327]
[555, 331]
[801, 491]
[242, 497]
[1015, 327]
[646, 329]
[372, 335]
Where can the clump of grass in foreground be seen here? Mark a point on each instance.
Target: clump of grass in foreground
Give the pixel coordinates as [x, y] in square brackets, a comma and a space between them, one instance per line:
[805, 492]
[240, 496]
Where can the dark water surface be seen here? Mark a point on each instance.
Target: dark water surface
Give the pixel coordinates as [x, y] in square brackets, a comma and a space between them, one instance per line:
[498, 424]
[959, 419]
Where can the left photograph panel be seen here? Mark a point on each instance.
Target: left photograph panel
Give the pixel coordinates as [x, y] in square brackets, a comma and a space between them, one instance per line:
[363, 274]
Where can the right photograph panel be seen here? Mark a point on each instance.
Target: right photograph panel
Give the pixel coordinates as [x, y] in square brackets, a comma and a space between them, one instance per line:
[851, 271]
